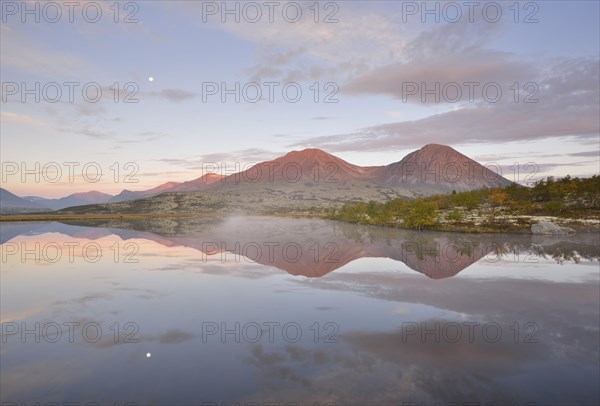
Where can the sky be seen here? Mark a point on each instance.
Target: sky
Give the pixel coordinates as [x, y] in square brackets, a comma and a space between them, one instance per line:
[128, 95]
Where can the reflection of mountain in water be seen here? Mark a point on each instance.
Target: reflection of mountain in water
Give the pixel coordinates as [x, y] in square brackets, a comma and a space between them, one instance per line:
[314, 248]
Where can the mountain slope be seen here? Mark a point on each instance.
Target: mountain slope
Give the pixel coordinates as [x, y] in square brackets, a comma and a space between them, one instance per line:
[11, 203]
[76, 199]
[202, 183]
[195, 185]
[309, 165]
[438, 169]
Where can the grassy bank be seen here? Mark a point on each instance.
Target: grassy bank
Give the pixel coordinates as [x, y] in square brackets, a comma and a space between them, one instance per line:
[568, 201]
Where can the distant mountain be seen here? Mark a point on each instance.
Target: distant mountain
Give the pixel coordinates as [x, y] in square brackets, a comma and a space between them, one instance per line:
[131, 195]
[196, 185]
[76, 199]
[439, 169]
[11, 203]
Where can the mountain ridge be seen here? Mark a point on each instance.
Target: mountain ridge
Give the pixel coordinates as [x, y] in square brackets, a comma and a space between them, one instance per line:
[432, 169]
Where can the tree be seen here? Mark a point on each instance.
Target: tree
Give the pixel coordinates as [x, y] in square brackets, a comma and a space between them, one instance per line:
[419, 214]
[467, 200]
[498, 197]
[554, 207]
[456, 215]
[395, 206]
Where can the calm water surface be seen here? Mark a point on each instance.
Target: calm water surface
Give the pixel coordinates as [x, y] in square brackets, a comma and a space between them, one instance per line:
[288, 311]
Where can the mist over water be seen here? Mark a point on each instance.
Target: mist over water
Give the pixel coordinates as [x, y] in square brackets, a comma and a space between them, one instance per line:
[260, 309]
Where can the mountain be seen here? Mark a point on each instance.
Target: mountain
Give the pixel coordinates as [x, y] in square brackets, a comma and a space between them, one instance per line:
[439, 169]
[131, 195]
[429, 170]
[303, 179]
[195, 185]
[313, 174]
[11, 203]
[313, 165]
[202, 183]
[75, 199]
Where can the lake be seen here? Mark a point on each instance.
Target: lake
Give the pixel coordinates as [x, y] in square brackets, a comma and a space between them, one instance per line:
[261, 310]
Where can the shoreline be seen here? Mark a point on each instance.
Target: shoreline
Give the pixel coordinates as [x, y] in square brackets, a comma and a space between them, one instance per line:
[577, 224]
[472, 229]
[49, 217]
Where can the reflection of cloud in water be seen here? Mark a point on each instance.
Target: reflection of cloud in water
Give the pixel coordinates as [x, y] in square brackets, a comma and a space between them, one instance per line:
[367, 366]
[381, 367]
[567, 349]
[84, 300]
[215, 267]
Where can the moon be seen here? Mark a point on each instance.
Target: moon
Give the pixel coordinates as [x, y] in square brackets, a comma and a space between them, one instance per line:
[151, 79]
[148, 355]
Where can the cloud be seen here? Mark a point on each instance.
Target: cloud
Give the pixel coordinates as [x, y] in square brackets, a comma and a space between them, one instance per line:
[252, 155]
[427, 54]
[95, 134]
[594, 154]
[443, 40]
[175, 336]
[134, 95]
[172, 95]
[146, 136]
[11, 117]
[444, 54]
[364, 36]
[89, 109]
[246, 155]
[25, 55]
[568, 106]
[481, 67]
[84, 300]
